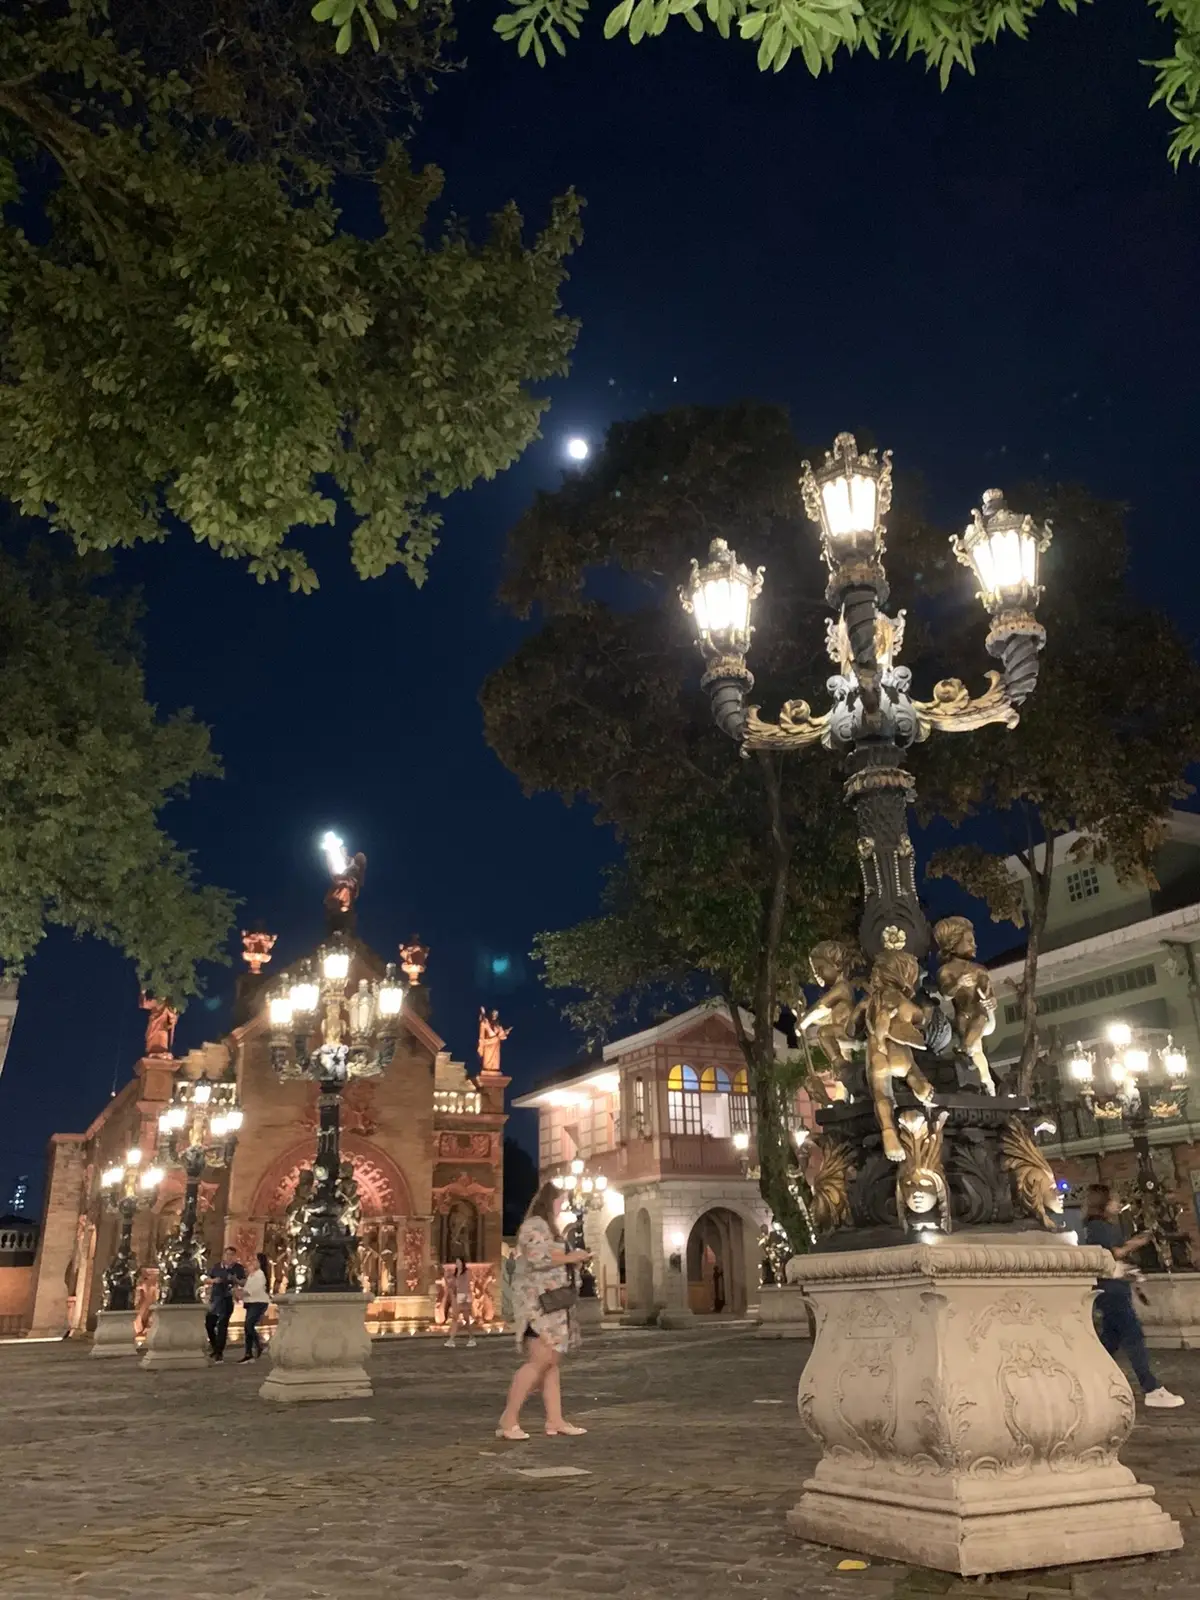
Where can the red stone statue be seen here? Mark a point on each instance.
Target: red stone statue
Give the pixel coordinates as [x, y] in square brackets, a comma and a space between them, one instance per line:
[256, 950]
[491, 1037]
[344, 891]
[160, 1026]
[414, 957]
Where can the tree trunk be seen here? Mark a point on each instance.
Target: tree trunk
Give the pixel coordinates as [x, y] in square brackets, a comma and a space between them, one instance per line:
[1039, 889]
[773, 1153]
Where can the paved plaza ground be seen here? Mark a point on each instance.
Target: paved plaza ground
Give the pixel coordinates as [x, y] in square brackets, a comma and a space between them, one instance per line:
[116, 1483]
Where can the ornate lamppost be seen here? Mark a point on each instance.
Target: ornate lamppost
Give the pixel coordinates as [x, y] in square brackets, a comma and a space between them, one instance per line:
[324, 1030]
[197, 1130]
[127, 1187]
[1137, 1079]
[584, 1195]
[941, 1274]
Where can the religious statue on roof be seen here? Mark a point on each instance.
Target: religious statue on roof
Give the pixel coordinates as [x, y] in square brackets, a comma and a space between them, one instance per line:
[160, 1026]
[491, 1036]
[347, 873]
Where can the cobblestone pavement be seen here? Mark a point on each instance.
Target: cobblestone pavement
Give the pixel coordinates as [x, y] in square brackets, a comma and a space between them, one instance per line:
[117, 1483]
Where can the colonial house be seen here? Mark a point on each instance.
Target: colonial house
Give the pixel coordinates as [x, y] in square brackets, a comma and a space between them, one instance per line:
[1119, 1005]
[665, 1117]
[425, 1141]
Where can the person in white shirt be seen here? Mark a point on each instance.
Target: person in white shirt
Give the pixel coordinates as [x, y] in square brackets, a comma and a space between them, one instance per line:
[256, 1298]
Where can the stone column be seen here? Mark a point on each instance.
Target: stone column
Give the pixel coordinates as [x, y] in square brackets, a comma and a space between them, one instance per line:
[970, 1418]
[56, 1246]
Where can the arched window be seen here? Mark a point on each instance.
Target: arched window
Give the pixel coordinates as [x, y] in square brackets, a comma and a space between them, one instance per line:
[714, 1080]
[683, 1100]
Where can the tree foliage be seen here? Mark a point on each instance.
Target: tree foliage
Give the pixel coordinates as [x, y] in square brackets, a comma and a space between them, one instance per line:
[944, 34]
[190, 334]
[86, 768]
[1103, 747]
[733, 868]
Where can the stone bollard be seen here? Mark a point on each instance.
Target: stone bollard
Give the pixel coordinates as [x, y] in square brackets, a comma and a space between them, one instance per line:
[114, 1334]
[176, 1341]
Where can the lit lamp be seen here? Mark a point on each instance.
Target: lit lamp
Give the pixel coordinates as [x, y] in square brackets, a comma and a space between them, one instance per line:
[848, 497]
[720, 597]
[1082, 1066]
[1174, 1060]
[1002, 548]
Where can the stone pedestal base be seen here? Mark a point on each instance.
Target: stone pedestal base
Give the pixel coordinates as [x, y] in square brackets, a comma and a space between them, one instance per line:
[176, 1341]
[1171, 1313]
[783, 1313]
[970, 1418]
[320, 1349]
[114, 1334]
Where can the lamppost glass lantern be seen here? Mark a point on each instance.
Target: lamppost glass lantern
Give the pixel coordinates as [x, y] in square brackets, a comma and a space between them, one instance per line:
[1002, 549]
[720, 596]
[848, 498]
[128, 1187]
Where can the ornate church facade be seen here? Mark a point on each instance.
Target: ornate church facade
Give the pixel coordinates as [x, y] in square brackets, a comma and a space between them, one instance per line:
[425, 1141]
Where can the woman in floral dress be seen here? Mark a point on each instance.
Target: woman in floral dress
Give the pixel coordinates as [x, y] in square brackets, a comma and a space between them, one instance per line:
[543, 1337]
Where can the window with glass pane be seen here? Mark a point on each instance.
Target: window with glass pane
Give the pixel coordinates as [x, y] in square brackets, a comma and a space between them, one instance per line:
[683, 1100]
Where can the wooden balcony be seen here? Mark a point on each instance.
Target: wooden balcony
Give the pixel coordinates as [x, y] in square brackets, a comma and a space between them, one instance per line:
[683, 1153]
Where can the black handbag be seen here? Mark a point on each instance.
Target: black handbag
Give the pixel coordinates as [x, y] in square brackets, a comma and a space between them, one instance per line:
[557, 1299]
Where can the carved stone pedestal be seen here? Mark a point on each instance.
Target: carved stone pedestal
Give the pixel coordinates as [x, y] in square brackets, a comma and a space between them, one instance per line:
[320, 1349]
[114, 1334]
[1170, 1313]
[176, 1341]
[970, 1418]
[783, 1313]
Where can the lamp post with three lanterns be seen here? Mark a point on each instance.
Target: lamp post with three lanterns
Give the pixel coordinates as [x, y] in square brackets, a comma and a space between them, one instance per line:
[197, 1130]
[940, 1216]
[127, 1187]
[583, 1194]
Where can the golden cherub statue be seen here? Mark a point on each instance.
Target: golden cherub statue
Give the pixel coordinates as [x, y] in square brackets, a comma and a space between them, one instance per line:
[921, 1186]
[834, 965]
[967, 984]
[894, 1031]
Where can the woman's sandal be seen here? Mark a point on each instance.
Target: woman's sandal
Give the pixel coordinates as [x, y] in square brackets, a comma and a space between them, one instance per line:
[568, 1428]
[513, 1435]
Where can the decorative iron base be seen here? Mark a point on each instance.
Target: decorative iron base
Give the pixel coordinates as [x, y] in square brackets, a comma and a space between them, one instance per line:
[177, 1341]
[320, 1349]
[969, 1417]
[114, 1334]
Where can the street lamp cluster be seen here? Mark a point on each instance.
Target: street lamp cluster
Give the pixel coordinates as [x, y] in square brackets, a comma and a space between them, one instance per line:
[871, 723]
[582, 1193]
[318, 1031]
[128, 1187]
[198, 1129]
[1116, 1075]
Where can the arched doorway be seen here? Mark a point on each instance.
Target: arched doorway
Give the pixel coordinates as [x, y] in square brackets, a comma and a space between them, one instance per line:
[640, 1267]
[612, 1267]
[716, 1264]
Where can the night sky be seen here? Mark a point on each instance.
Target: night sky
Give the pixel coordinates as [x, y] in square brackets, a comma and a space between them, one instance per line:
[998, 281]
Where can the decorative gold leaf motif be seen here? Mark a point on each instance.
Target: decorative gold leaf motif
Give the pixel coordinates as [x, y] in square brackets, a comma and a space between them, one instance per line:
[952, 709]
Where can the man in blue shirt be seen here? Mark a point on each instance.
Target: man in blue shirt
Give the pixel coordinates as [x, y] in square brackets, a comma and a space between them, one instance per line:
[221, 1280]
[1120, 1327]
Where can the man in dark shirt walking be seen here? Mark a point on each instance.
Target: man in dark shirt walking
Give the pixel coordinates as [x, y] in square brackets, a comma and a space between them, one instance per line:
[1120, 1327]
[221, 1280]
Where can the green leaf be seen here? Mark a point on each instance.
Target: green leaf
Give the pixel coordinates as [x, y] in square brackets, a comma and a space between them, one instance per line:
[387, 8]
[372, 30]
[344, 38]
[618, 18]
[324, 10]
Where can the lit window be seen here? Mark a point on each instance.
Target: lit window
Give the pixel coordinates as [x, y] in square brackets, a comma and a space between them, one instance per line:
[715, 1080]
[683, 1100]
[1082, 884]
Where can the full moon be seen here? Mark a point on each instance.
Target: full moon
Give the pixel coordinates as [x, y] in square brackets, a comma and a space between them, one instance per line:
[577, 449]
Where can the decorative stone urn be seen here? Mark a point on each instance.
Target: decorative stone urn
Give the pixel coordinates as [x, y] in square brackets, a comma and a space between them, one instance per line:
[320, 1349]
[969, 1418]
[114, 1334]
[176, 1340]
